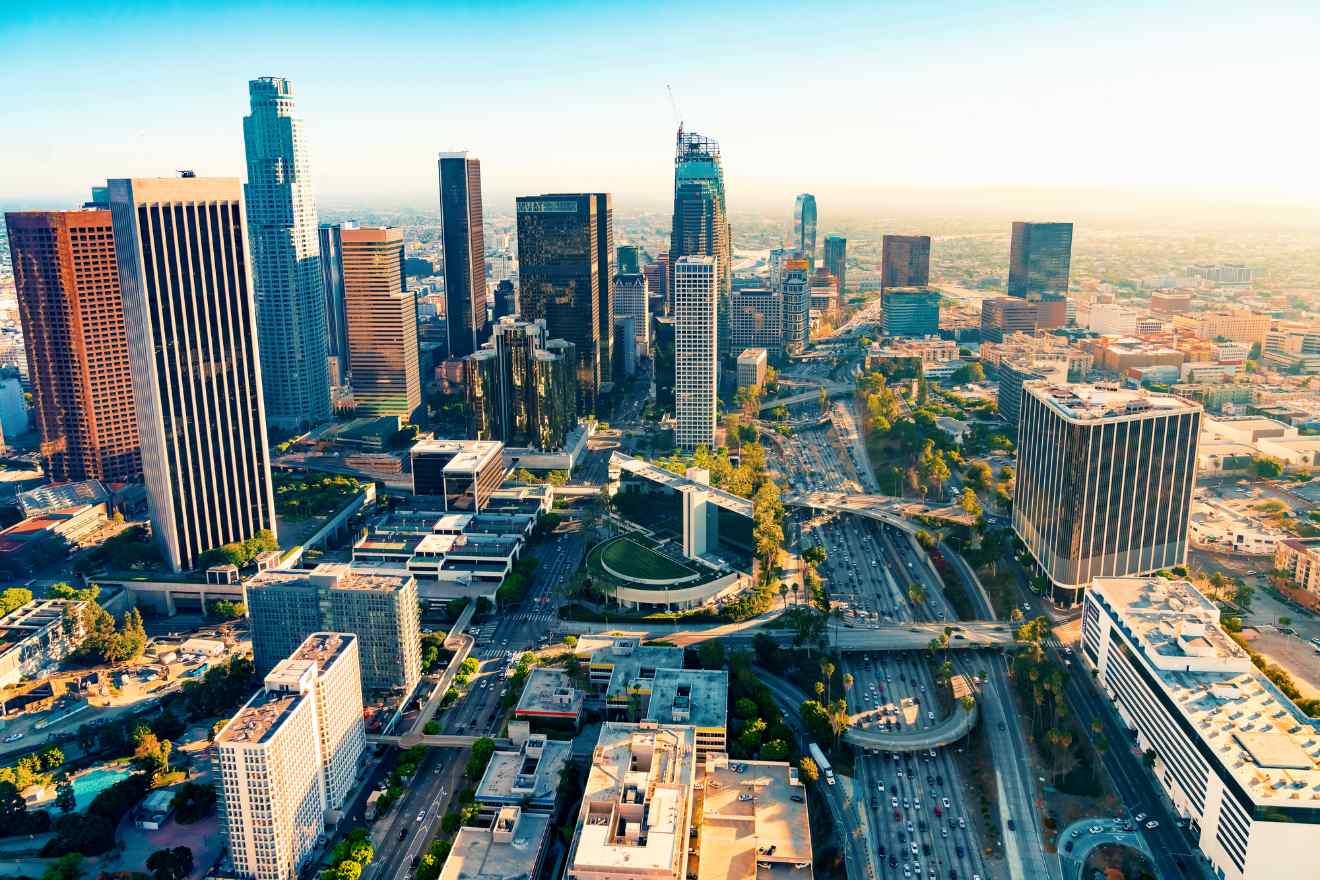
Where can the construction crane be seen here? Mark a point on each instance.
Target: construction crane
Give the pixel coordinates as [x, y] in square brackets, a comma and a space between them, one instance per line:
[674, 106]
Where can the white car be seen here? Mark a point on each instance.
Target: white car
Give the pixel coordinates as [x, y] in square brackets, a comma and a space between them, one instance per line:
[13, 737]
[421, 814]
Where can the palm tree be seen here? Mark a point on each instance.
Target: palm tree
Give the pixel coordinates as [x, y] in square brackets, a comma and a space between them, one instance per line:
[783, 593]
[847, 681]
[916, 595]
[827, 669]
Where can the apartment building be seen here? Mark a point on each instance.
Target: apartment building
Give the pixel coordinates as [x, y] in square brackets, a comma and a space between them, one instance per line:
[1238, 325]
[696, 281]
[1104, 482]
[284, 607]
[1238, 759]
[1300, 560]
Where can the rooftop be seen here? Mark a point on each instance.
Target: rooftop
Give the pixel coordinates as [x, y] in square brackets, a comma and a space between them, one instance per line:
[631, 664]
[699, 697]
[1096, 402]
[737, 834]
[323, 648]
[1253, 731]
[260, 716]
[549, 693]
[529, 774]
[468, 455]
[509, 850]
[656, 474]
[331, 575]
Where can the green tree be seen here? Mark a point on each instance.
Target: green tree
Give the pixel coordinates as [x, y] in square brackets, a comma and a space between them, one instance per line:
[68, 867]
[482, 749]
[808, 770]
[151, 754]
[170, 864]
[916, 594]
[710, 654]
[969, 503]
[64, 796]
[14, 598]
[774, 750]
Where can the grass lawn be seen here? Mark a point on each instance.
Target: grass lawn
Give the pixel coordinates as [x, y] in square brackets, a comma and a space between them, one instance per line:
[631, 559]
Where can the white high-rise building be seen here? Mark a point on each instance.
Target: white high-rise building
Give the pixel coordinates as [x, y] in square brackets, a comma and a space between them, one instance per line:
[696, 281]
[184, 274]
[291, 316]
[288, 757]
[632, 300]
[795, 285]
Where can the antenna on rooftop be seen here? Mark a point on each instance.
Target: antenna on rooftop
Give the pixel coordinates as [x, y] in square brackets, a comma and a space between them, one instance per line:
[674, 106]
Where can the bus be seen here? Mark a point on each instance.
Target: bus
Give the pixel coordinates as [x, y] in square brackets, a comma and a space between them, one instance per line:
[822, 762]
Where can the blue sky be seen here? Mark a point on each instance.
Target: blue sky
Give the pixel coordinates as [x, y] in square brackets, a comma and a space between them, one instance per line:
[830, 97]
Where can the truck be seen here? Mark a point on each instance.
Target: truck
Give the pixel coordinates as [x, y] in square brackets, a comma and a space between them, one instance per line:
[372, 799]
[821, 762]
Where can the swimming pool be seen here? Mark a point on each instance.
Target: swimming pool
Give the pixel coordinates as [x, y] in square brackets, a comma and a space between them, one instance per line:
[87, 786]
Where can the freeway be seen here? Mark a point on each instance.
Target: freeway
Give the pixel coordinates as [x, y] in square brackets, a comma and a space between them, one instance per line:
[897, 512]
[945, 732]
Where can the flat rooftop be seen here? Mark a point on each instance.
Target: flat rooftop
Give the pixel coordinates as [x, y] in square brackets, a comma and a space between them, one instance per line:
[509, 850]
[529, 774]
[636, 808]
[261, 716]
[656, 474]
[699, 697]
[331, 575]
[1255, 732]
[632, 662]
[1096, 402]
[549, 693]
[468, 455]
[323, 648]
[745, 814]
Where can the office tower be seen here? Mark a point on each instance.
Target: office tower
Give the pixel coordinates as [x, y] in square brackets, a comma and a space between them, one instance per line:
[281, 217]
[464, 236]
[701, 216]
[632, 299]
[336, 674]
[752, 368]
[182, 249]
[824, 291]
[910, 311]
[382, 323]
[605, 289]
[756, 318]
[332, 282]
[1104, 481]
[1233, 753]
[1289, 349]
[285, 607]
[836, 260]
[521, 390]
[628, 259]
[506, 300]
[559, 277]
[67, 282]
[465, 473]
[696, 286]
[625, 346]
[1014, 372]
[662, 344]
[795, 284]
[1039, 261]
[804, 227]
[1006, 315]
[904, 261]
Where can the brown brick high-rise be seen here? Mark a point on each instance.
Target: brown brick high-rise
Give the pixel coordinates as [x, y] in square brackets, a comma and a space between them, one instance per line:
[77, 347]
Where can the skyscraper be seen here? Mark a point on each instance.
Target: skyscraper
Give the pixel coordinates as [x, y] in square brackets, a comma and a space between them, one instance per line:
[182, 251]
[804, 227]
[836, 261]
[281, 216]
[464, 235]
[628, 258]
[632, 299]
[696, 282]
[663, 343]
[757, 320]
[605, 277]
[1039, 260]
[559, 277]
[795, 283]
[521, 387]
[1003, 315]
[382, 323]
[904, 261]
[910, 311]
[77, 346]
[332, 277]
[506, 300]
[1104, 481]
[701, 217]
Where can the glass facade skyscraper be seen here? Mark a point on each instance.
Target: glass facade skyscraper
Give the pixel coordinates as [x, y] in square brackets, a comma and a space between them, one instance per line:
[521, 387]
[795, 287]
[836, 261]
[804, 226]
[701, 219]
[462, 230]
[910, 311]
[904, 261]
[559, 277]
[1040, 258]
[332, 276]
[281, 216]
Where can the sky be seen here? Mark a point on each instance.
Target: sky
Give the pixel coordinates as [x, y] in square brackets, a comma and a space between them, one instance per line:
[843, 99]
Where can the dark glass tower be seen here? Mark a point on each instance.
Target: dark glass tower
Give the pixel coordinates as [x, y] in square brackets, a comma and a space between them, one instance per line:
[1040, 259]
[836, 260]
[559, 277]
[904, 261]
[604, 275]
[464, 237]
[701, 219]
[629, 259]
[521, 387]
[804, 226]
[332, 277]
[664, 342]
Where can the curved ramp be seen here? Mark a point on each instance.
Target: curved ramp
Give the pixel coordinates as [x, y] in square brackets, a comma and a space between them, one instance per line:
[947, 732]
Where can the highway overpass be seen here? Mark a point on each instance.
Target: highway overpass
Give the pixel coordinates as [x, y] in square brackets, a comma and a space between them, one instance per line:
[832, 389]
[897, 512]
[947, 732]
[965, 635]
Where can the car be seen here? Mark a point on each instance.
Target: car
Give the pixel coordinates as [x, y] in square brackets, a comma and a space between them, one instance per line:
[797, 798]
[880, 786]
[1095, 829]
[937, 811]
[945, 802]
[13, 737]
[1139, 817]
[944, 832]
[1152, 824]
[1076, 833]
[962, 823]
[882, 849]
[1067, 847]
[1012, 825]
[421, 814]
[403, 832]
[961, 852]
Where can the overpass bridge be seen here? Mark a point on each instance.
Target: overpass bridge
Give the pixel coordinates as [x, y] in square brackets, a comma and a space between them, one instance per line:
[438, 741]
[897, 512]
[832, 389]
[963, 635]
[947, 732]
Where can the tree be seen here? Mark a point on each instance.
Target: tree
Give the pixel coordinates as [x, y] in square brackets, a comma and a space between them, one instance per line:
[170, 864]
[745, 708]
[827, 670]
[13, 807]
[482, 749]
[151, 754]
[711, 654]
[774, 750]
[1148, 758]
[14, 598]
[68, 867]
[228, 610]
[824, 401]
[916, 594]
[193, 802]
[969, 503]
[816, 718]
[64, 796]
[808, 770]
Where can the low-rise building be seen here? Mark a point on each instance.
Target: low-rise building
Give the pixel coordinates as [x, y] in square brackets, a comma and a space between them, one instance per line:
[1300, 559]
[35, 637]
[1238, 759]
[752, 363]
[50, 535]
[1292, 350]
[754, 823]
[510, 849]
[550, 697]
[1238, 325]
[527, 776]
[699, 697]
[627, 667]
[463, 472]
